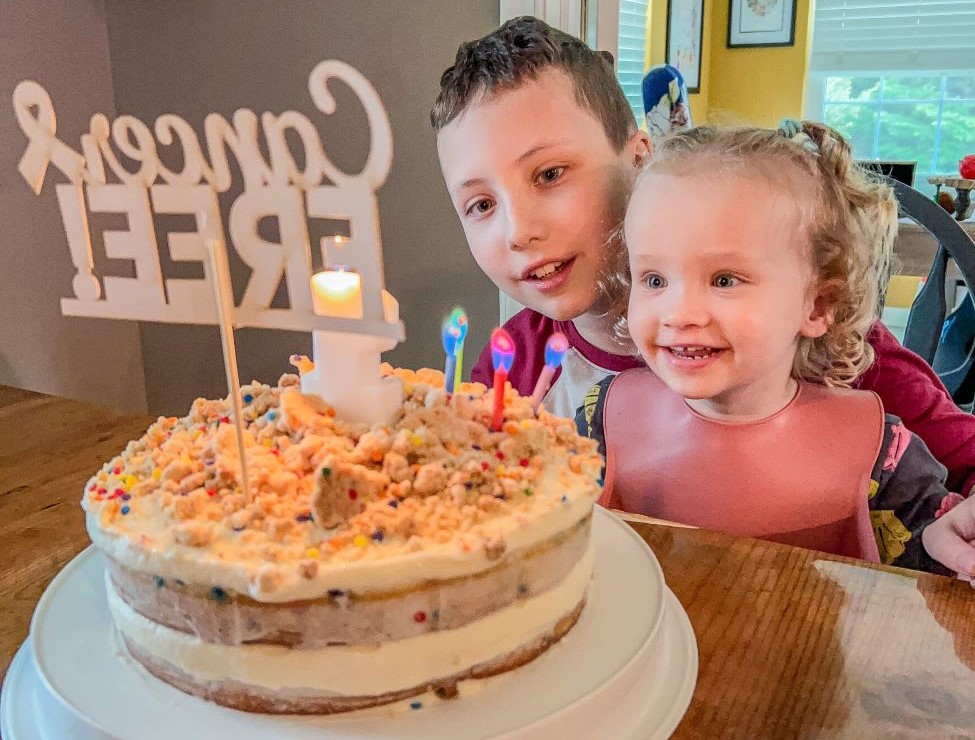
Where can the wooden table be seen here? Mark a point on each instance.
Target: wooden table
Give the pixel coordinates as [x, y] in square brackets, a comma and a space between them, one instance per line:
[793, 644]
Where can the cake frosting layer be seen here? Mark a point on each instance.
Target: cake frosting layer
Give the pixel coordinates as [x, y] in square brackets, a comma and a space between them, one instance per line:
[334, 506]
[357, 670]
[346, 617]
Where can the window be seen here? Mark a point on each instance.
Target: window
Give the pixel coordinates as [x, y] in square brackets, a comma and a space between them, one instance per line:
[898, 78]
[632, 51]
[926, 119]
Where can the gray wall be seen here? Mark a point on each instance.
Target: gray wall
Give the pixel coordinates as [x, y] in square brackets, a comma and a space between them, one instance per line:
[63, 46]
[194, 58]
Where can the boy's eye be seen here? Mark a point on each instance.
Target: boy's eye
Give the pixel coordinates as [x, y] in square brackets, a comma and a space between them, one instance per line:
[655, 282]
[479, 207]
[551, 174]
[726, 281]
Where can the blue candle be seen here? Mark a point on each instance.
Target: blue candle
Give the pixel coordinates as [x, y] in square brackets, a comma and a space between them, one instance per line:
[450, 335]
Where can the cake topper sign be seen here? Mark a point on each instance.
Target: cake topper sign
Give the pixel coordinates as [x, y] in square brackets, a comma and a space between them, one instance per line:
[275, 186]
[352, 317]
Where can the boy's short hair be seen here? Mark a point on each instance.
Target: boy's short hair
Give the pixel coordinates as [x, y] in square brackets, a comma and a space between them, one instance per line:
[520, 50]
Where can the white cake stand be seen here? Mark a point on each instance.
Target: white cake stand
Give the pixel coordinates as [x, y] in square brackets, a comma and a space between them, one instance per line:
[627, 670]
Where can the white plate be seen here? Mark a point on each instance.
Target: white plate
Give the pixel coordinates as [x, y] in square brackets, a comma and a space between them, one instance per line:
[628, 668]
[29, 712]
[650, 710]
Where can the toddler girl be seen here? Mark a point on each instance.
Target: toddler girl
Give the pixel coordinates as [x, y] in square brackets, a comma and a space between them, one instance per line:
[756, 262]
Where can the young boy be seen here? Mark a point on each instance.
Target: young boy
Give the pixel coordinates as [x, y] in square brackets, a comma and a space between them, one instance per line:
[538, 148]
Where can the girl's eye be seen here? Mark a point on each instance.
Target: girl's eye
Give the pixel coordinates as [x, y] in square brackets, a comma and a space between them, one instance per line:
[655, 282]
[551, 174]
[725, 281]
[479, 207]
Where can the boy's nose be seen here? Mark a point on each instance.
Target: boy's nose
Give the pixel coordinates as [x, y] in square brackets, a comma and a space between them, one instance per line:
[522, 226]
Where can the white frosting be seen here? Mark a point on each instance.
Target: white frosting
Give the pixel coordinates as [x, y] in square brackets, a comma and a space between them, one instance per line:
[363, 670]
[173, 560]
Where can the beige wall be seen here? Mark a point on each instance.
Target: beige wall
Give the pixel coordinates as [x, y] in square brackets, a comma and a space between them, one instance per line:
[64, 46]
[193, 58]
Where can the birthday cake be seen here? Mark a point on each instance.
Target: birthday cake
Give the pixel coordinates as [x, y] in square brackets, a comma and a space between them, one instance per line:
[364, 565]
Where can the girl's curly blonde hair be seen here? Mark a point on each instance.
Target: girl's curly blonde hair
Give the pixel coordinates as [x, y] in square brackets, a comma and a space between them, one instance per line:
[848, 216]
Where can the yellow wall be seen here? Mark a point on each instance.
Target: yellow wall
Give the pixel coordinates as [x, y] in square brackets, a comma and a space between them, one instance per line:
[757, 86]
[657, 52]
[656, 34]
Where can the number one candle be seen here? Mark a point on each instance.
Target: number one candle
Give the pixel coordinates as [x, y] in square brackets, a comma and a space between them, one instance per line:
[555, 349]
[502, 355]
[346, 365]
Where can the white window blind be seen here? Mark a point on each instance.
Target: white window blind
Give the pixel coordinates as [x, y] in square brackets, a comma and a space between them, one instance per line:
[877, 35]
[632, 52]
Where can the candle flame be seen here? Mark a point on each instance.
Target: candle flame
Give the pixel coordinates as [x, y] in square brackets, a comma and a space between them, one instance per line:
[555, 349]
[451, 337]
[459, 319]
[502, 350]
[337, 280]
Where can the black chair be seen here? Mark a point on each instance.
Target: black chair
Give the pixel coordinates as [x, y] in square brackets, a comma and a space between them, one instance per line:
[927, 316]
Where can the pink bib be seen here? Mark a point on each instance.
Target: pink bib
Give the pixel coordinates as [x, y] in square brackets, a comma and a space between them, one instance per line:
[800, 477]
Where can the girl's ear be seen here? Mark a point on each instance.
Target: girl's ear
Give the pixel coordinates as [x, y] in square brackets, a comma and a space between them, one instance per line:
[819, 314]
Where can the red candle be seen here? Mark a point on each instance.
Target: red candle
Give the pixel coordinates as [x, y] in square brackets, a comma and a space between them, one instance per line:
[502, 355]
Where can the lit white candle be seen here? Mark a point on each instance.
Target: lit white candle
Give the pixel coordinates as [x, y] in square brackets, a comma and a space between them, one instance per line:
[338, 293]
[346, 373]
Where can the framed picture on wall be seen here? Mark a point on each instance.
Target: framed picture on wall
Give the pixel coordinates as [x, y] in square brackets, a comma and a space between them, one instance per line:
[685, 27]
[761, 23]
